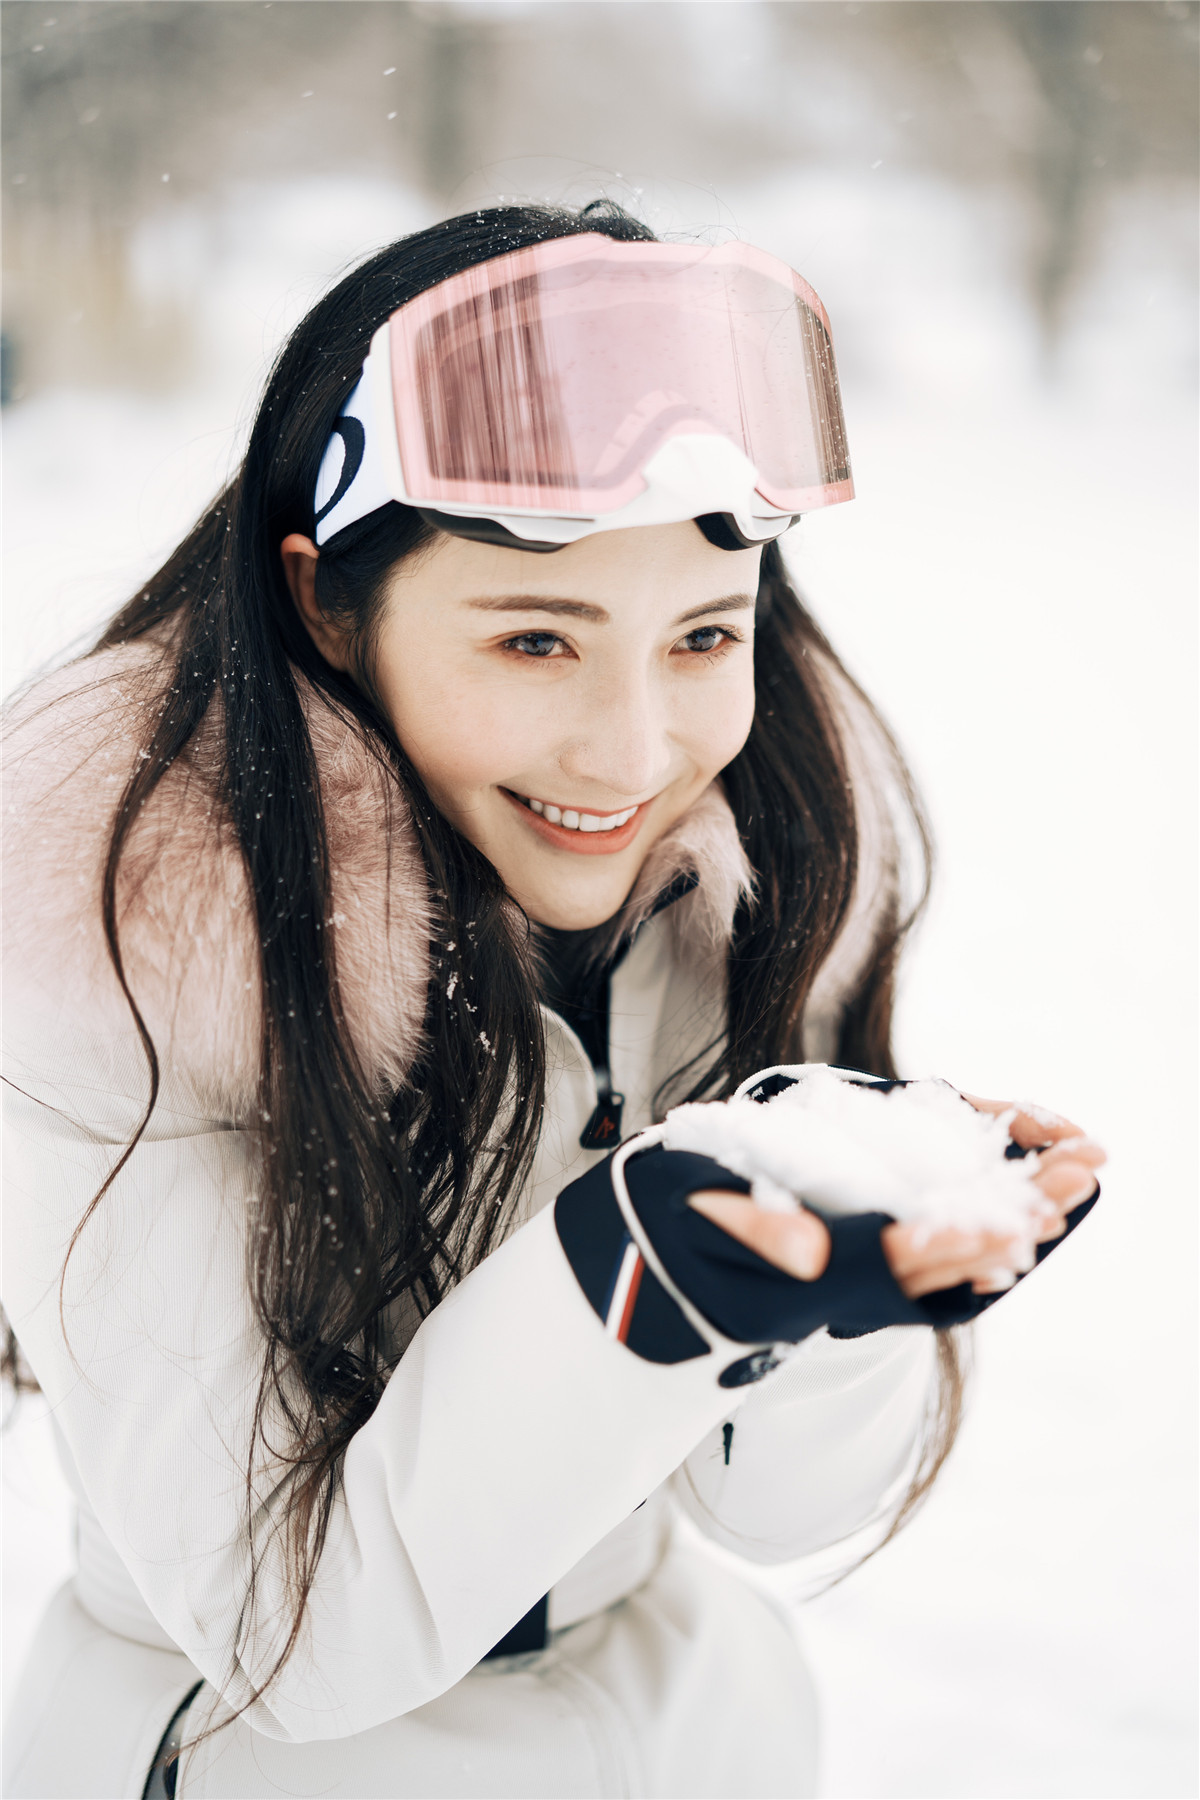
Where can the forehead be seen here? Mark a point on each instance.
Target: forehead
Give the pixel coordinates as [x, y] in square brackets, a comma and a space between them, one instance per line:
[653, 571]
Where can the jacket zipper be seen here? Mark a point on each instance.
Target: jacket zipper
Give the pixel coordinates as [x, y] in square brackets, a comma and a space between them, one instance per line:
[603, 1129]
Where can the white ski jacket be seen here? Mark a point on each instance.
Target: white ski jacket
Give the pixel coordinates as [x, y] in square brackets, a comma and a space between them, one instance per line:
[518, 1449]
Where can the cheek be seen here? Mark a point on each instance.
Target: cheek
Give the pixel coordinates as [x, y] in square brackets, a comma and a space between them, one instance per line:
[719, 716]
[462, 734]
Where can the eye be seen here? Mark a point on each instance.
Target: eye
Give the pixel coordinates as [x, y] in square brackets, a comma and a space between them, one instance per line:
[534, 643]
[709, 638]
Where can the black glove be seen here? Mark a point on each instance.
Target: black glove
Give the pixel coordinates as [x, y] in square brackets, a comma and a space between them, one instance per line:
[745, 1297]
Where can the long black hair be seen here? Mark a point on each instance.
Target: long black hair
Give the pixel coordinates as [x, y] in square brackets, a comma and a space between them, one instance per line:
[363, 1204]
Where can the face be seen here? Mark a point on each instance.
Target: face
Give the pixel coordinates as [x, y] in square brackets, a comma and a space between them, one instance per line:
[564, 710]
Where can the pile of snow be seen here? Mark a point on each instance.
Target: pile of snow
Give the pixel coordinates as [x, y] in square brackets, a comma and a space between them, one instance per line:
[921, 1153]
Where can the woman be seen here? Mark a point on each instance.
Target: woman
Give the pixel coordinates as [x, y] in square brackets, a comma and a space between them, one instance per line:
[469, 785]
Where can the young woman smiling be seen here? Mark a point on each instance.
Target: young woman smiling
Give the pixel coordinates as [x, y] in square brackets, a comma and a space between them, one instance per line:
[399, 851]
[545, 697]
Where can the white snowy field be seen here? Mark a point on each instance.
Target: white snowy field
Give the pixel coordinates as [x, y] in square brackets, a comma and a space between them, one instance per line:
[1015, 585]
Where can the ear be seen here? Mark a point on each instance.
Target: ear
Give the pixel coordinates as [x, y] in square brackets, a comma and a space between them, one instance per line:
[299, 557]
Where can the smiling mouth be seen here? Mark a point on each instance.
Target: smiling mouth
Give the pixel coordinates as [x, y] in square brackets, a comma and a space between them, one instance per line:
[571, 818]
[573, 828]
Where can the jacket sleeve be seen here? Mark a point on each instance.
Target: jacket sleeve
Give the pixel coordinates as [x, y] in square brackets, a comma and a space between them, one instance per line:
[811, 1455]
[830, 1422]
[513, 1435]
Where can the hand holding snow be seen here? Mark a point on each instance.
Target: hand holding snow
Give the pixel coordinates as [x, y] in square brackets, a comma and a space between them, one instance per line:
[920, 1152]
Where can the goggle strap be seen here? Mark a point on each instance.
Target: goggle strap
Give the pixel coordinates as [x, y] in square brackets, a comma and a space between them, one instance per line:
[352, 480]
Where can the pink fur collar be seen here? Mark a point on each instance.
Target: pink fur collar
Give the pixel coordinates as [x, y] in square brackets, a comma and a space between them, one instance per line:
[184, 907]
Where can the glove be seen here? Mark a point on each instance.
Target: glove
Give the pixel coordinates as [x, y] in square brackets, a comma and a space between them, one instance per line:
[742, 1296]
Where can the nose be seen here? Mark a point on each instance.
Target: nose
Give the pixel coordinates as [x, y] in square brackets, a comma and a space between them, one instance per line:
[620, 742]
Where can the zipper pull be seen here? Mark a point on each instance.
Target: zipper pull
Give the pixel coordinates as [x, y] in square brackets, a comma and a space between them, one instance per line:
[603, 1129]
[727, 1438]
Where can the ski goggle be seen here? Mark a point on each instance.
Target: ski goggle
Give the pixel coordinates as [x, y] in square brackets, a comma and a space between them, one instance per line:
[584, 385]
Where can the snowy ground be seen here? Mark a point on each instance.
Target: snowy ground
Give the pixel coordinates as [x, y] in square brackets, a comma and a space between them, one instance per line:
[1015, 585]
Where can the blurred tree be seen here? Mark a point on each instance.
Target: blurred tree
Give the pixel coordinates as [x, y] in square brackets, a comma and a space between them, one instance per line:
[119, 111]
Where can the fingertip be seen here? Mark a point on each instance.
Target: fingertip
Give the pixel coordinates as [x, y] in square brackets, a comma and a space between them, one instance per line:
[1081, 1149]
[1067, 1183]
[1000, 1280]
[982, 1105]
[1036, 1128]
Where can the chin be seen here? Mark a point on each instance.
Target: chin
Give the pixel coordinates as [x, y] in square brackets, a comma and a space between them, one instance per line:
[577, 921]
[568, 916]
[580, 910]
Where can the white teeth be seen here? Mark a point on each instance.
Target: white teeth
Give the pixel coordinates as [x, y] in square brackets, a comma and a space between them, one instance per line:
[579, 821]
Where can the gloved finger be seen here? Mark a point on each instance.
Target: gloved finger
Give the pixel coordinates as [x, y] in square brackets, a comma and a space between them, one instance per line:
[921, 1264]
[1075, 1149]
[1066, 1183]
[1033, 1125]
[997, 1282]
[978, 1268]
[797, 1243]
[913, 1246]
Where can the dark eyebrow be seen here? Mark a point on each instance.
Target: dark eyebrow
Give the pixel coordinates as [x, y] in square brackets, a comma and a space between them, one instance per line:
[727, 603]
[596, 615]
[574, 609]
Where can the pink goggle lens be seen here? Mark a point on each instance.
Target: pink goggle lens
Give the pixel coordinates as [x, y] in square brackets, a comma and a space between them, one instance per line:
[548, 379]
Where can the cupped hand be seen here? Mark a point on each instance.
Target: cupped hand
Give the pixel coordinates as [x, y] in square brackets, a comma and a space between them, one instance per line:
[1067, 1161]
[923, 1262]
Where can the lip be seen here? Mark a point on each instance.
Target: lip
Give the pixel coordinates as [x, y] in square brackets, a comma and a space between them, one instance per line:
[582, 843]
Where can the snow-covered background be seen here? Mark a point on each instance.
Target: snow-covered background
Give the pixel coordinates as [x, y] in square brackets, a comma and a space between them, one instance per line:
[1015, 585]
